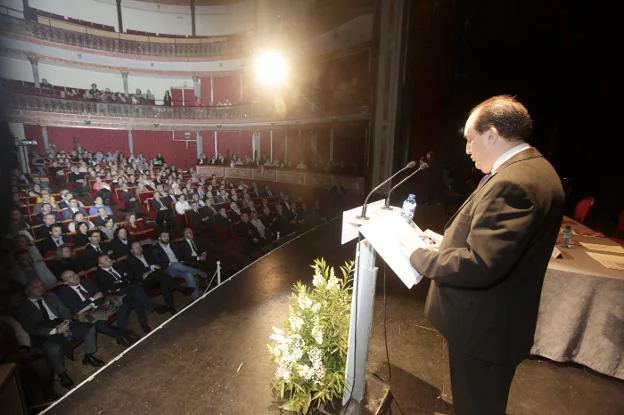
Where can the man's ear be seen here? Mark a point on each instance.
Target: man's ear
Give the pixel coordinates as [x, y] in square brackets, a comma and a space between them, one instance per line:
[493, 135]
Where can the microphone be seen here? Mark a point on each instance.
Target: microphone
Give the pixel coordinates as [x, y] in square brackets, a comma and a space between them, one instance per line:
[421, 168]
[409, 165]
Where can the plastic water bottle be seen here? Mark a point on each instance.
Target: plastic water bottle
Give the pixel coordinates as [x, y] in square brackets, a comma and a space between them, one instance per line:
[567, 236]
[409, 207]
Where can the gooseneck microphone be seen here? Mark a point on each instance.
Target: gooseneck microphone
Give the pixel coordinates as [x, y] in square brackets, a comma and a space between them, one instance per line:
[387, 203]
[409, 165]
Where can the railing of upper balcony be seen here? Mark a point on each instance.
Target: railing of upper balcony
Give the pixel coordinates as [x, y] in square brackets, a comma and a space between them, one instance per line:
[84, 37]
[65, 106]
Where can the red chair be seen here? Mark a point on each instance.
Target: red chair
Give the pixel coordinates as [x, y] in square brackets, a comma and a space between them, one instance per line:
[582, 209]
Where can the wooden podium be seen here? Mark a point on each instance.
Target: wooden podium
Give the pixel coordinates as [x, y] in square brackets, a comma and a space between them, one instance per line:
[387, 233]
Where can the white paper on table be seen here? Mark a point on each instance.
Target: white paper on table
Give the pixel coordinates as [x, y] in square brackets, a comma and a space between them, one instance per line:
[351, 224]
[609, 261]
[395, 240]
[556, 253]
[618, 249]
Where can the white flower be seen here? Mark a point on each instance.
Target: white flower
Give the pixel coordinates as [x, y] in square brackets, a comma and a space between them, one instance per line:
[296, 322]
[304, 301]
[317, 333]
[316, 307]
[282, 372]
[305, 371]
[318, 280]
[278, 335]
[333, 283]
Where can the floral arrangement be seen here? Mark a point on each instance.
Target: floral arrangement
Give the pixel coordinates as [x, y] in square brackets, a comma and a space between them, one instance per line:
[310, 351]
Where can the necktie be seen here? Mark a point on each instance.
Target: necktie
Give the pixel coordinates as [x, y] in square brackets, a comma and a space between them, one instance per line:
[58, 242]
[193, 247]
[84, 293]
[115, 274]
[484, 179]
[44, 311]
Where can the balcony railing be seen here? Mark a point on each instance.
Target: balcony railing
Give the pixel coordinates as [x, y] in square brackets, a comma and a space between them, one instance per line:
[29, 102]
[105, 109]
[124, 43]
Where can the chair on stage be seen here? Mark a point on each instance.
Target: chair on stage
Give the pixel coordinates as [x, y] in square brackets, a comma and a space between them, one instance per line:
[582, 209]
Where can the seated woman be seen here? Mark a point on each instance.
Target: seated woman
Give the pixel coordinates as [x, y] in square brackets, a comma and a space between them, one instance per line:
[64, 259]
[102, 188]
[182, 205]
[133, 225]
[79, 218]
[109, 228]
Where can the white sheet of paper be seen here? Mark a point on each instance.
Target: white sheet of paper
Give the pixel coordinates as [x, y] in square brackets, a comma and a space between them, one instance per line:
[618, 249]
[556, 253]
[610, 261]
[395, 240]
[351, 224]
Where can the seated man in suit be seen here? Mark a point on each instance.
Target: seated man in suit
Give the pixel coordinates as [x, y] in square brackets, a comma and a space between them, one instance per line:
[54, 240]
[130, 199]
[73, 208]
[93, 250]
[81, 297]
[169, 261]
[117, 281]
[189, 252]
[43, 231]
[164, 214]
[249, 233]
[198, 218]
[101, 218]
[144, 269]
[121, 243]
[49, 324]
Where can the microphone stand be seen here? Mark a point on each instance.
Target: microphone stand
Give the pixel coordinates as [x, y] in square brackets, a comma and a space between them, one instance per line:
[409, 165]
[387, 202]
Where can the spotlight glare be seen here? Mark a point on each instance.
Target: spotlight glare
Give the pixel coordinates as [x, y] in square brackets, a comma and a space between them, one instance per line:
[271, 69]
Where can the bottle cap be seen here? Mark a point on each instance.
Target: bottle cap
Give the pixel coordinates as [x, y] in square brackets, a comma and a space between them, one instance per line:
[412, 195]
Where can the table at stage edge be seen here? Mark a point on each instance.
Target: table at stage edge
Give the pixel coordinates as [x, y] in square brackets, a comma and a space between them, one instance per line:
[581, 314]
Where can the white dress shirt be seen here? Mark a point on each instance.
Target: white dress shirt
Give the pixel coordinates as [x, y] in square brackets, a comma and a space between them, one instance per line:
[169, 252]
[508, 154]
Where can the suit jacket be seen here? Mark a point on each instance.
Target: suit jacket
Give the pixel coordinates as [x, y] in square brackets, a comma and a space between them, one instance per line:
[109, 284]
[90, 256]
[48, 244]
[161, 257]
[137, 268]
[184, 253]
[29, 315]
[71, 299]
[69, 214]
[120, 249]
[487, 275]
[155, 205]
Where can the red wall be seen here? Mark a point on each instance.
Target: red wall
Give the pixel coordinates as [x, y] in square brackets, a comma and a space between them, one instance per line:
[227, 87]
[175, 151]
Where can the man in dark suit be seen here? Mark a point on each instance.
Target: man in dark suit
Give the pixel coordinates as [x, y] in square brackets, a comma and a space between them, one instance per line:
[54, 240]
[93, 250]
[121, 243]
[164, 213]
[74, 207]
[117, 281]
[80, 297]
[145, 270]
[49, 324]
[486, 277]
[101, 218]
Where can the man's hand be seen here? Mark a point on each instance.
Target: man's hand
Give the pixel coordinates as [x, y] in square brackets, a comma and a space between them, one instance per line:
[63, 327]
[97, 296]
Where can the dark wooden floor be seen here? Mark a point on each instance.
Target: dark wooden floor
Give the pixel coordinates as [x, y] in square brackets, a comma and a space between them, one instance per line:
[212, 358]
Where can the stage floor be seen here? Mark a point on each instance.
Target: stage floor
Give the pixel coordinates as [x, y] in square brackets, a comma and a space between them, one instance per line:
[212, 358]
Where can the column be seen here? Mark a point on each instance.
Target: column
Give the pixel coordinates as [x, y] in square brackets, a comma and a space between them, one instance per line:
[331, 145]
[216, 143]
[271, 143]
[285, 145]
[211, 90]
[44, 136]
[241, 89]
[193, 18]
[34, 63]
[124, 77]
[196, 88]
[131, 142]
[119, 18]
[199, 140]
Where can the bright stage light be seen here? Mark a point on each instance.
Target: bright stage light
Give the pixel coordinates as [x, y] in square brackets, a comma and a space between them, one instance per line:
[271, 69]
